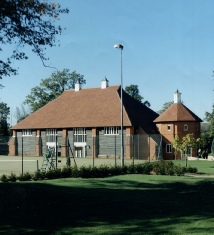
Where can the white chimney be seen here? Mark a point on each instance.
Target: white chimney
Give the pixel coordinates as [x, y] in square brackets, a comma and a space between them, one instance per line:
[78, 86]
[104, 83]
[177, 97]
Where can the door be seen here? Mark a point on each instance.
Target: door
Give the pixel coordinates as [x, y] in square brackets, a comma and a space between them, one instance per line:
[80, 151]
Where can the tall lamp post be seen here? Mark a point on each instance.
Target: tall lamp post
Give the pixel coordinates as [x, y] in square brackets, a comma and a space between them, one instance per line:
[120, 46]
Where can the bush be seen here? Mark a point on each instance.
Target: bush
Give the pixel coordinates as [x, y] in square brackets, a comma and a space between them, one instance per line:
[53, 174]
[12, 177]
[131, 169]
[115, 170]
[66, 172]
[75, 172]
[4, 178]
[25, 177]
[163, 168]
[38, 175]
[191, 169]
[179, 170]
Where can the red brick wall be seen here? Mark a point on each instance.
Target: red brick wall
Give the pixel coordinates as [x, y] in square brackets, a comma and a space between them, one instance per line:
[177, 128]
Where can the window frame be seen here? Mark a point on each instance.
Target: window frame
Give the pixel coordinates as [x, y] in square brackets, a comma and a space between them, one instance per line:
[79, 135]
[185, 127]
[168, 148]
[51, 135]
[168, 127]
[27, 132]
[111, 130]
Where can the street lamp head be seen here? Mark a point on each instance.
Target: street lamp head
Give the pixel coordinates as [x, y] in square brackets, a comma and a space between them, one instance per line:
[118, 46]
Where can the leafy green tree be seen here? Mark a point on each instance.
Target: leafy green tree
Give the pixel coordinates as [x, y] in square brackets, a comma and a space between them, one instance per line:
[212, 147]
[209, 117]
[31, 23]
[4, 114]
[176, 144]
[51, 88]
[165, 107]
[133, 91]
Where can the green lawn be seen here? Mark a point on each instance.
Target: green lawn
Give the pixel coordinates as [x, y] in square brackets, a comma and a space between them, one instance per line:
[129, 204]
[203, 166]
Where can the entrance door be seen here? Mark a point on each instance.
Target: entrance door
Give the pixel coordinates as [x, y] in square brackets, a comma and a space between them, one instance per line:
[80, 151]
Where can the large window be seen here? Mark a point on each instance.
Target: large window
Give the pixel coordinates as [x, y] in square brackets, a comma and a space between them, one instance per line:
[26, 132]
[111, 131]
[79, 135]
[168, 148]
[51, 135]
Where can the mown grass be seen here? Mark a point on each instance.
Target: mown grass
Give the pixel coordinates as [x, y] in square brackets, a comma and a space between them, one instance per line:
[128, 204]
[203, 166]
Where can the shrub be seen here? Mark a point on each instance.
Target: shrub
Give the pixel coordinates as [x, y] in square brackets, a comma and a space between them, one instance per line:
[12, 177]
[53, 174]
[179, 170]
[4, 178]
[103, 171]
[38, 175]
[66, 172]
[125, 169]
[115, 170]
[131, 169]
[75, 172]
[191, 169]
[147, 168]
[25, 177]
[163, 168]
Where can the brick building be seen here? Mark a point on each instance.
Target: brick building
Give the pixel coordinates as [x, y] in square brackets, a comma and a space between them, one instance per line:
[177, 120]
[88, 121]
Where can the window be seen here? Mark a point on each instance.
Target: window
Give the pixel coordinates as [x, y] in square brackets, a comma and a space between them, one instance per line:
[79, 135]
[168, 148]
[26, 132]
[51, 135]
[111, 131]
[185, 127]
[169, 127]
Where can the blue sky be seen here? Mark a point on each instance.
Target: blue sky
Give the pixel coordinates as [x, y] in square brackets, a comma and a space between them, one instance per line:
[168, 45]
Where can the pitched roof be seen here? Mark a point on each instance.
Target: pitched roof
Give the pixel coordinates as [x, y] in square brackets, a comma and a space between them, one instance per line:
[177, 112]
[92, 107]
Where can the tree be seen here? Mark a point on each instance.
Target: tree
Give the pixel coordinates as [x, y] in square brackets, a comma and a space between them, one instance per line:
[176, 144]
[165, 107]
[30, 22]
[209, 117]
[51, 88]
[183, 146]
[133, 91]
[21, 113]
[4, 114]
[188, 142]
[212, 147]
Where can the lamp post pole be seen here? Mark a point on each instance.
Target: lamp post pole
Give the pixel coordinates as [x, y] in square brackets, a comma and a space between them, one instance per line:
[120, 46]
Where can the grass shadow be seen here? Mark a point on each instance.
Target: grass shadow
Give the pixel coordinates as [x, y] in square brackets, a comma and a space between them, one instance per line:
[114, 205]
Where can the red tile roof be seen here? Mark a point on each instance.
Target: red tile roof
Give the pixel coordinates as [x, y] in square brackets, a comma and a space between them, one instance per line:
[177, 112]
[93, 107]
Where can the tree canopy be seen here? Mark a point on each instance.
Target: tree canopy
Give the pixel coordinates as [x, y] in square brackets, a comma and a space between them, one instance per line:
[210, 118]
[51, 88]
[133, 91]
[4, 114]
[30, 22]
[165, 106]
